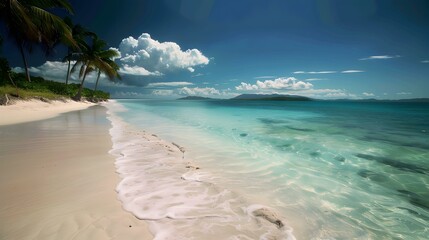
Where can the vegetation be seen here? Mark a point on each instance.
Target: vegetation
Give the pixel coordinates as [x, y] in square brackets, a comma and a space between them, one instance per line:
[30, 23]
[45, 89]
[96, 57]
[79, 34]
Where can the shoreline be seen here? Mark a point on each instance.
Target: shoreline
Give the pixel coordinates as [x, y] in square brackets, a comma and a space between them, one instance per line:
[58, 178]
[33, 110]
[178, 198]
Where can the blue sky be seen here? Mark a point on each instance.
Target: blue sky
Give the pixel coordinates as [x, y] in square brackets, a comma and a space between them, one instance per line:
[320, 48]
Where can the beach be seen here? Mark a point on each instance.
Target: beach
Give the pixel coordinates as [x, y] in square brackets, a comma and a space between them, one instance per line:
[144, 169]
[57, 178]
[33, 110]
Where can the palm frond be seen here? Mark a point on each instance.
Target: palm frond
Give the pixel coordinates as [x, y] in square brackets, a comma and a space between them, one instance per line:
[52, 27]
[19, 22]
[49, 4]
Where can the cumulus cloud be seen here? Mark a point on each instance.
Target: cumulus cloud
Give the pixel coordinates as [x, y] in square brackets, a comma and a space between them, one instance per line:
[163, 92]
[137, 71]
[158, 57]
[278, 83]
[328, 72]
[169, 84]
[403, 93]
[198, 75]
[314, 72]
[380, 57]
[127, 94]
[352, 71]
[246, 87]
[196, 91]
[264, 77]
[366, 94]
[57, 71]
[53, 70]
[292, 86]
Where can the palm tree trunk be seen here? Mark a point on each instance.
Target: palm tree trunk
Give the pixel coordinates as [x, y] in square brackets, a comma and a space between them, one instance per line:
[96, 83]
[68, 73]
[79, 93]
[13, 83]
[27, 73]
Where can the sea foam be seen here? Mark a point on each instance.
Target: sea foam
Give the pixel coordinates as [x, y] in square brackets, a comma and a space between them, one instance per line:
[178, 199]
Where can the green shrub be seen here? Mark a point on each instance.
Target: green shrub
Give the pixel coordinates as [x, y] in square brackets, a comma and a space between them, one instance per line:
[39, 87]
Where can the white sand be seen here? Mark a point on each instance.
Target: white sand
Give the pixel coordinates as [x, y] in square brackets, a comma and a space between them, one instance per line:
[33, 110]
[57, 179]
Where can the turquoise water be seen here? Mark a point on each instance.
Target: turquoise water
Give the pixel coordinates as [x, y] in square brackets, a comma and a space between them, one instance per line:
[333, 170]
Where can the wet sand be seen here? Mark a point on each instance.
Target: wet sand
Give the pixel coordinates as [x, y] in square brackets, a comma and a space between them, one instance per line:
[57, 180]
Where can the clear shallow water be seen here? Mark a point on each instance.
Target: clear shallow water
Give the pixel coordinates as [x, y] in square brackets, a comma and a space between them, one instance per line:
[332, 170]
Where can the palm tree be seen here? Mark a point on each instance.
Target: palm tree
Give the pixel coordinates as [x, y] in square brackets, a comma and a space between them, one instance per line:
[95, 57]
[79, 34]
[29, 21]
[108, 56]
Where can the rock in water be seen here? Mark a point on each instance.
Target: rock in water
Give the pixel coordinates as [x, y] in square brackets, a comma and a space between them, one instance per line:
[268, 215]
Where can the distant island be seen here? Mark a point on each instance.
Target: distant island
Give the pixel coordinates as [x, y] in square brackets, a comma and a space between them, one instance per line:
[285, 97]
[271, 97]
[194, 98]
[410, 100]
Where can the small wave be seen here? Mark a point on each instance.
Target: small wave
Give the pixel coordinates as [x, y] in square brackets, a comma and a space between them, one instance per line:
[178, 198]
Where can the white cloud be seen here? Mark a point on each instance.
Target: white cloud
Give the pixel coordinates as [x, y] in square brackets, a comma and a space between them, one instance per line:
[314, 79]
[155, 56]
[195, 91]
[122, 94]
[163, 92]
[246, 87]
[292, 86]
[18, 69]
[328, 72]
[352, 71]
[336, 95]
[425, 61]
[403, 93]
[313, 72]
[54, 70]
[199, 91]
[138, 71]
[380, 57]
[279, 83]
[327, 93]
[264, 77]
[366, 94]
[198, 75]
[169, 84]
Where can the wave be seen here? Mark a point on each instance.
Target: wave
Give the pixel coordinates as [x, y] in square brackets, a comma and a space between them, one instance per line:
[178, 198]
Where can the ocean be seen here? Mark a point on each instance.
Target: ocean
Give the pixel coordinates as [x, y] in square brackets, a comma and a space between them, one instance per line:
[274, 169]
